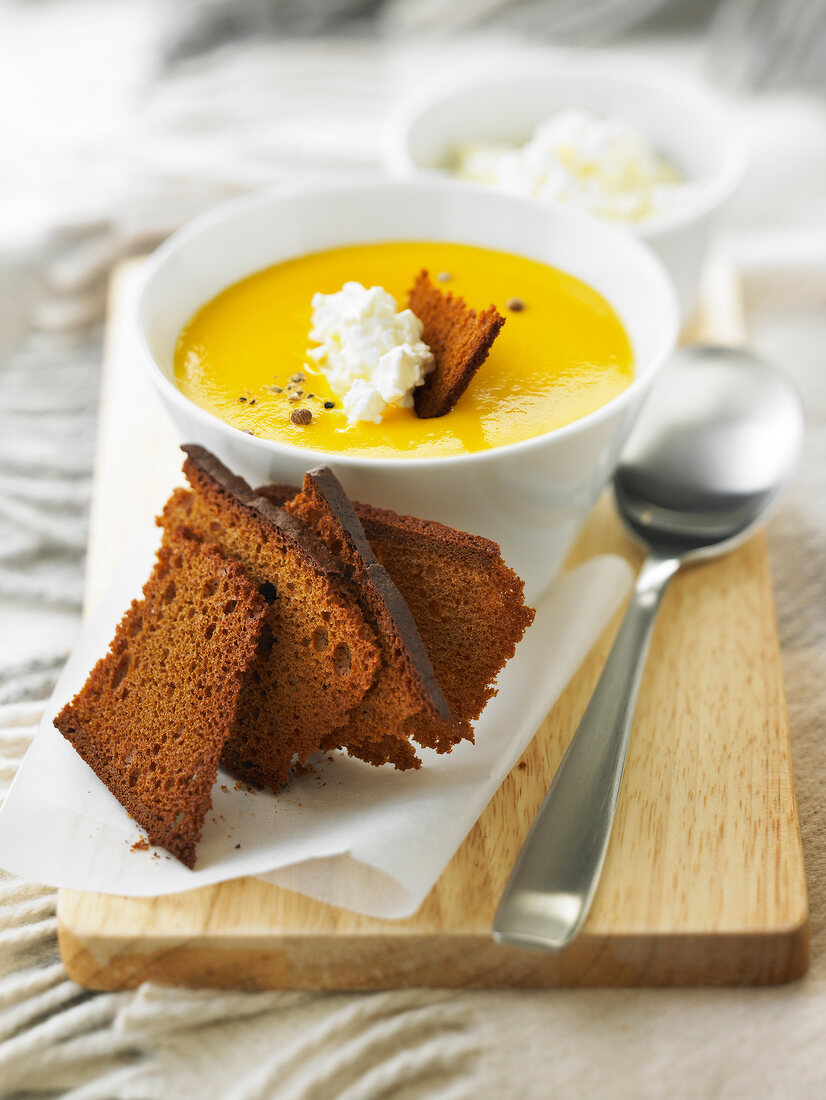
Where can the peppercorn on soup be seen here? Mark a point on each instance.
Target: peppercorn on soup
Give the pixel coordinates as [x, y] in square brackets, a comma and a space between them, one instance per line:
[260, 355]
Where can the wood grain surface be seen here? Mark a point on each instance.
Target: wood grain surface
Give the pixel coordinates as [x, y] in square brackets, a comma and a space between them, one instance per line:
[703, 883]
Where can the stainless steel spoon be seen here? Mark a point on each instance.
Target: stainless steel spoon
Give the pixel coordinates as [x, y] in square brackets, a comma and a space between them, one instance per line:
[711, 452]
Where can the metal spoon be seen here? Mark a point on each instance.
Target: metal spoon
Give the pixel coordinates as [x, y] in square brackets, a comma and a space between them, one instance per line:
[711, 452]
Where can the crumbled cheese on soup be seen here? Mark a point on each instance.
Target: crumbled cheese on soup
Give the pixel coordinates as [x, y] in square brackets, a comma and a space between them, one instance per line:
[371, 353]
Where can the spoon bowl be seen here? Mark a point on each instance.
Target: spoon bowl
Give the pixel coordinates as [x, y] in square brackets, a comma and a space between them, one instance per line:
[710, 455]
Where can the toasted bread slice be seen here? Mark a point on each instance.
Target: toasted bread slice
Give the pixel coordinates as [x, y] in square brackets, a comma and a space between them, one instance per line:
[405, 684]
[467, 603]
[317, 656]
[155, 713]
[460, 340]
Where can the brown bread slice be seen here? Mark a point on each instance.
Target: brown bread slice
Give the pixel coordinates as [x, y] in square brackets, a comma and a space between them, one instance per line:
[405, 684]
[467, 603]
[317, 656]
[154, 715]
[460, 340]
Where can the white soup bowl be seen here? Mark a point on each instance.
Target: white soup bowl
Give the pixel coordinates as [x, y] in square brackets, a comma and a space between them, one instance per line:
[530, 497]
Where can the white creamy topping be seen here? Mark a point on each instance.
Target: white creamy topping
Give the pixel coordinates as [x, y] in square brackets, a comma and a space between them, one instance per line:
[372, 355]
[601, 165]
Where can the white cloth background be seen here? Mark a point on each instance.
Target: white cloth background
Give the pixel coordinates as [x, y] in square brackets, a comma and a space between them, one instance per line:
[103, 150]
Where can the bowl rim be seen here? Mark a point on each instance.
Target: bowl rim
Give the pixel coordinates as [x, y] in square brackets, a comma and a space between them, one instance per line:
[344, 182]
[706, 195]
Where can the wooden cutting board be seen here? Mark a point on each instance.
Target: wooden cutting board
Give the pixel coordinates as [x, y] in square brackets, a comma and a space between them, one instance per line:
[704, 880]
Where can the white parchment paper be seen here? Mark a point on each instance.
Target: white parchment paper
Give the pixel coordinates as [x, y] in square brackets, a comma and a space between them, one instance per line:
[370, 839]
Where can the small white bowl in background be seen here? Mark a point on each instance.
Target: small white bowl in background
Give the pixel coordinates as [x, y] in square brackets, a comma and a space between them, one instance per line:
[681, 120]
[530, 497]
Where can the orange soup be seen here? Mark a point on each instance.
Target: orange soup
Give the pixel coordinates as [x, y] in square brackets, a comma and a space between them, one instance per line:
[560, 357]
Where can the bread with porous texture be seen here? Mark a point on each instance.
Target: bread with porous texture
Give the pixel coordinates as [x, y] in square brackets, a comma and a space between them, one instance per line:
[467, 604]
[460, 339]
[317, 656]
[282, 622]
[155, 713]
[405, 684]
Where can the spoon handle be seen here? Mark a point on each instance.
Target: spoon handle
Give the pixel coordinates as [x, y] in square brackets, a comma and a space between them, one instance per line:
[555, 876]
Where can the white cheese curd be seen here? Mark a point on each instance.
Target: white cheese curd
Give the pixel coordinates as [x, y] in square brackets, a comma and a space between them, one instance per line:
[372, 355]
[601, 165]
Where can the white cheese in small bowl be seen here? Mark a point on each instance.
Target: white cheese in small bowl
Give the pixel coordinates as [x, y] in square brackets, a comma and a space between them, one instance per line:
[371, 353]
[601, 165]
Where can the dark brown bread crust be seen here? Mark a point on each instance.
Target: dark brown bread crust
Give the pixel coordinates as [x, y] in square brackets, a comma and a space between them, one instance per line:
[405, 684]
[317, 656]
[460, 340]
[154, 715]
[468, 605]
